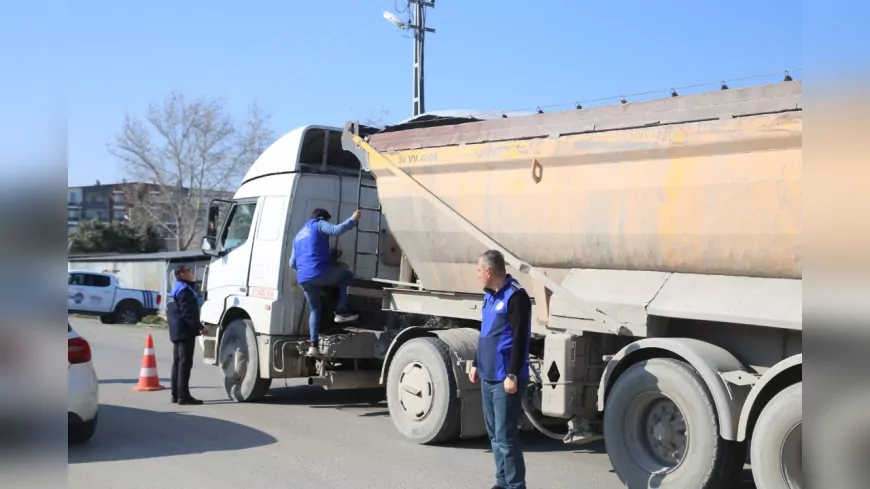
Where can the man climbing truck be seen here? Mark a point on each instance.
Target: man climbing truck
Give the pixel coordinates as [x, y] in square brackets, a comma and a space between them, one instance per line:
[660, 243]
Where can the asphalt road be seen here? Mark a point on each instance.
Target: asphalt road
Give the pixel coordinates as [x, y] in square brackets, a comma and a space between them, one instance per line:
[298, 436]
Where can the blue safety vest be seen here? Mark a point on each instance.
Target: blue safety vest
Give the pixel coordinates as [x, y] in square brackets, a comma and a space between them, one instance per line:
[496, 340]
[312, 252]
[182, 327]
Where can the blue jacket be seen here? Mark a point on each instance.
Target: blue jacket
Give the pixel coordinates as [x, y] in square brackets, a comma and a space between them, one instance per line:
[503, 347]
[182, 312]
[310, 255]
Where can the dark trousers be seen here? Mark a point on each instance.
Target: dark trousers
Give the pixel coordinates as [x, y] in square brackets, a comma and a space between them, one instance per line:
[182, 363]
[501, 411]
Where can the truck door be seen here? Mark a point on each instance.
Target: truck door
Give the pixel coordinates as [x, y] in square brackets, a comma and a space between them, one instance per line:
[267, 260]
[199, 273]
[228, 273]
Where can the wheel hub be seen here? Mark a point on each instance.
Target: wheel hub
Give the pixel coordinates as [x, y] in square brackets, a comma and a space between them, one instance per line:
[656, 433]
[416, 391]
[666, 432]
[234, 365]
[128, 317]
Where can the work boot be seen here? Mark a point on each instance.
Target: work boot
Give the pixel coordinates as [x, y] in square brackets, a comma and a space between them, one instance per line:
[345, 316]
[313, 351]
[174, 400]
[190, 401]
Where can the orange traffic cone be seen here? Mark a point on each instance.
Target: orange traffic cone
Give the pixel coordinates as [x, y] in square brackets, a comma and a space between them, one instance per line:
[148, 379]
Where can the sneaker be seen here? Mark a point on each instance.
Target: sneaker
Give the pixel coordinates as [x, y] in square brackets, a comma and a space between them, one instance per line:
[345, 316]
[313, 351]
[189, 402]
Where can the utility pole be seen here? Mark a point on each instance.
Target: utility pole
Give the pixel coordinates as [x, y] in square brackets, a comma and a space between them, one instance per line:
[418, 24]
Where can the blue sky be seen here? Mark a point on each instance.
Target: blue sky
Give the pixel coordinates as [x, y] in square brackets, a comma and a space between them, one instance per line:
[331, 60]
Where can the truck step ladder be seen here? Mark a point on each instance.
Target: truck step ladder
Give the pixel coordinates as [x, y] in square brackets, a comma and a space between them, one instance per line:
[360, 229]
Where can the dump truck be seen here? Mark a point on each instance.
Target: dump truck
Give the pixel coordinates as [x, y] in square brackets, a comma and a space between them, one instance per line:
[660, 242]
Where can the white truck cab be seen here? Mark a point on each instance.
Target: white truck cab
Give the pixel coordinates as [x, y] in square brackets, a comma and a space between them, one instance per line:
[251, 294]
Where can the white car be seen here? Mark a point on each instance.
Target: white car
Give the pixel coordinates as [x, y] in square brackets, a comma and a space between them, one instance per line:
[83, 395]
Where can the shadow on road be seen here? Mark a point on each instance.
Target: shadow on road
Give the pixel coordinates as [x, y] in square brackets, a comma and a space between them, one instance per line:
[533, 442]
[128, 381]
[125, 433]
[165, 382]
[318, 398]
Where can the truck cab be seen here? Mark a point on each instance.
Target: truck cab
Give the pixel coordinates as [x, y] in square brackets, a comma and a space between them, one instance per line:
[249, 283]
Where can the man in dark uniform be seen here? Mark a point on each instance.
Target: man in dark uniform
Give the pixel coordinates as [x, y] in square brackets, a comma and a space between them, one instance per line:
[182, 311]
[502, 365]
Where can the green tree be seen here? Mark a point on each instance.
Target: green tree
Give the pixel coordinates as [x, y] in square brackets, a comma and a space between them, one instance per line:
[96, 237]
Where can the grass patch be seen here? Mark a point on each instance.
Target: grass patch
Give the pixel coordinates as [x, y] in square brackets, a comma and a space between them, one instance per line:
[154, 321]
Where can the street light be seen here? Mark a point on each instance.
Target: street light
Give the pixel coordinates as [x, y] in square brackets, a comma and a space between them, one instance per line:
[393, 19]
[417, 23]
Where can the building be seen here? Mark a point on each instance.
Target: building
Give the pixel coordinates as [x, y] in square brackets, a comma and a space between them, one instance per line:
[109, 203]
[105, 203]
[74, 205]
[151, 271]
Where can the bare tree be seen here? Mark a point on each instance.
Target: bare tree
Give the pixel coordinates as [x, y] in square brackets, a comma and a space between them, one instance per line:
[181, 156]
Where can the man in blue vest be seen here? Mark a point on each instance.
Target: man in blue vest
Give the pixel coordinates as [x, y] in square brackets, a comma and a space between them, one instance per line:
[311, 260]
[502, 365]
[182, 313]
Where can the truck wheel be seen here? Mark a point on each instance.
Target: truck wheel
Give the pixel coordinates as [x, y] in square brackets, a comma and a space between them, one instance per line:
[107, 319]
[421, 392]
[127, 313]
[240, 362]
[661, 430]
[776, 448]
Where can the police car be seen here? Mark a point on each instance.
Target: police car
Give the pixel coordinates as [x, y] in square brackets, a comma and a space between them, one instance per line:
[98, 294]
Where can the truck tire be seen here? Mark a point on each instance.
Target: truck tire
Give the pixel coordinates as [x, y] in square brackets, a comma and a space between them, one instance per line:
[776, 448]
[240, 362]
[107, 319]
[422, 392]
[128, 312]
[661, 430]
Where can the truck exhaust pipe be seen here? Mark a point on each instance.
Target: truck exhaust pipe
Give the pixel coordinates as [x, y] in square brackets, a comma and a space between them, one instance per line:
[347, 379]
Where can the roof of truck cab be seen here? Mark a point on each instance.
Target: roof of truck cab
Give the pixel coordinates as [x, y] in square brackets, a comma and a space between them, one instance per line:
[282, 155]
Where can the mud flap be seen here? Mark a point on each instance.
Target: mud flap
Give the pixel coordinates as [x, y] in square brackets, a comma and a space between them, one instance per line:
[473, 424]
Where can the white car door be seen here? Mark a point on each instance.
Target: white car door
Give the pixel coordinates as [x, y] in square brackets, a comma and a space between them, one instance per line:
[96, 294]
[102, 293]
[75, 295]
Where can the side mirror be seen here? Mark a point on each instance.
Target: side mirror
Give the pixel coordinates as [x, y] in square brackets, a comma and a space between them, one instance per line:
[212, 225]
[209, 245]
